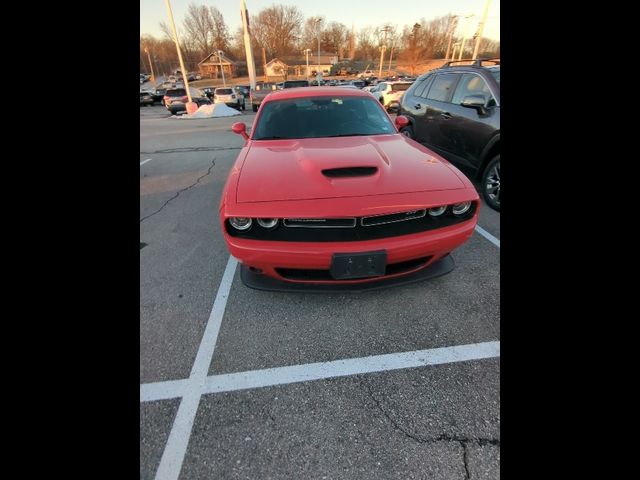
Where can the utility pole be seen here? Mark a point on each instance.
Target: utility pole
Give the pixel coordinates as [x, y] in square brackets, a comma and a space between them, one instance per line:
[452, 27]
[455, 46]
[153, 77]
[383, 48]
[264, 65]
[191, 107]
[391, 55]
[251, 66]
[480, 29]
[220, 53]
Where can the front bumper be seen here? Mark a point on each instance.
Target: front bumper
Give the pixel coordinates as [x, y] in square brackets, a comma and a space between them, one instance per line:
[271, 258]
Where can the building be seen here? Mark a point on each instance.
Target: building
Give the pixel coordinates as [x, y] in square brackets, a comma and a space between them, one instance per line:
[298, 65]
[210, 66]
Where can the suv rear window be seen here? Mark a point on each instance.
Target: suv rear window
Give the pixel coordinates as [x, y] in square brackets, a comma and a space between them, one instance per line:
[399, 87]
[293, 84]
[223, 91]
[176, 92]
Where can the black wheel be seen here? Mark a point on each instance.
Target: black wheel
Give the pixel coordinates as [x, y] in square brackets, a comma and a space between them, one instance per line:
[490, 183]
[407, 131]
[255, 108]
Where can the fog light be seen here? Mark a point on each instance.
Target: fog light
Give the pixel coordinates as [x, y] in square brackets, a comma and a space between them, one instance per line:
[268, 223]
[461, 208]
[437, 211]
[240, 223]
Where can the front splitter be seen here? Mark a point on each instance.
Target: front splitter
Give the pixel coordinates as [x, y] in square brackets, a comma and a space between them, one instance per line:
[263, 282]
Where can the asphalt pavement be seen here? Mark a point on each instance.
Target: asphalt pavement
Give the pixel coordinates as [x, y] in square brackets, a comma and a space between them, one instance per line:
[200, 329]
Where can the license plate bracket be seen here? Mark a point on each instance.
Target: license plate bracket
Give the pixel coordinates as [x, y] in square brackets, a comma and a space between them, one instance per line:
[346, 266]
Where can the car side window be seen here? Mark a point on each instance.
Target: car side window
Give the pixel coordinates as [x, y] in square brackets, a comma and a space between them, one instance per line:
[471, 84]
[442, 87]
[423, 87]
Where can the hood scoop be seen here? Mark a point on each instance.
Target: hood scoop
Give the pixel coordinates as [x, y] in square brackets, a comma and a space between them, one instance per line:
[349, 172]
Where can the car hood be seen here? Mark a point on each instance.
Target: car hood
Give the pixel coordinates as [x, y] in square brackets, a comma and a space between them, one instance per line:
[322, 168]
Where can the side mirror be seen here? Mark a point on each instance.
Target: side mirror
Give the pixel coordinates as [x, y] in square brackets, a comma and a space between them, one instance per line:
[401, 121]
[241, 129]
[476, 102]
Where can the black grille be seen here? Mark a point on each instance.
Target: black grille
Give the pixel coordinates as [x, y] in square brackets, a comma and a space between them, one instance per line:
[355, 234]
[319, 222]
[318, 275]
[392, 218]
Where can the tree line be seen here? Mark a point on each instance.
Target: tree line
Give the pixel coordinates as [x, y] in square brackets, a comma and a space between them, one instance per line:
[282, 31]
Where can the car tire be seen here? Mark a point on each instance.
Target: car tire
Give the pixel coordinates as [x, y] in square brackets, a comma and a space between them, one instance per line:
[255, 108]
[407, 131]
[490, 183]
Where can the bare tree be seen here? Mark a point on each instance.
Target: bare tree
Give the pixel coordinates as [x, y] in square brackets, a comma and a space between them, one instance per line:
[413, 46]
[277, 29]
[220, 32]
[312, 27]
[366, 47]
[334, 38]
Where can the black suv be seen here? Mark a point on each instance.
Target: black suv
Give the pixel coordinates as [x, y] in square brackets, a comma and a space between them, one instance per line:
[455, 111]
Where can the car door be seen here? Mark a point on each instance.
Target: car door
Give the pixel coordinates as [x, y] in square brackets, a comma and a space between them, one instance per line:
[434, 129]
[470, 129]
[414, 105]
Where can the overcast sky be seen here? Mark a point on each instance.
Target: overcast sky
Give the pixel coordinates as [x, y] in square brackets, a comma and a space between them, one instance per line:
[359, 13]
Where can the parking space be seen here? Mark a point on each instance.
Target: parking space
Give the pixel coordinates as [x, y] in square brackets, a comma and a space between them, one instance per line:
[435, 416]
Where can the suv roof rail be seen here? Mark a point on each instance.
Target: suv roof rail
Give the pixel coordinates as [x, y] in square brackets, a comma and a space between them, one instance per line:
[474, 63]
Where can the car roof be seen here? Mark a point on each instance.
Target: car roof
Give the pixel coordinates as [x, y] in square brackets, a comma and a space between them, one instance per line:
[305, 92]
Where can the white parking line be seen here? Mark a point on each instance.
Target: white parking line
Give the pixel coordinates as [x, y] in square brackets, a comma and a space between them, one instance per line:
[319, 371]
[173, 455]
[488, 236]
[145, 161]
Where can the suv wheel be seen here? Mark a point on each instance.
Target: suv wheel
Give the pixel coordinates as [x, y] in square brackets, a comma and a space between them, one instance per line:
[407, 131]
[491, 183]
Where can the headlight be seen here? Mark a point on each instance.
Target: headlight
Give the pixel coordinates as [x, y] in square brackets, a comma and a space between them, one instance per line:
[461, 208]
[240, 223]
[437, 211]
[268, 223]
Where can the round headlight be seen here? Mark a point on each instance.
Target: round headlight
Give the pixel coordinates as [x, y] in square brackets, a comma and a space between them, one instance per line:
[461, 208]
[268, 223]
[437, 211]
[240, 223]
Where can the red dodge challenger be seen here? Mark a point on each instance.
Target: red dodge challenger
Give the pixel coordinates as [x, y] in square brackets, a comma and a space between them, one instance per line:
[327, 195]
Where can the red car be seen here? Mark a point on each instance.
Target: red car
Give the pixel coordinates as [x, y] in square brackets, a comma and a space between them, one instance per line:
[326, 194]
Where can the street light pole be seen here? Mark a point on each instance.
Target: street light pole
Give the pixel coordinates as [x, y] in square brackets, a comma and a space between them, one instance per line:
[464, 36]
[318, 73]
[191, 107]
[480, 29]
[306, 51]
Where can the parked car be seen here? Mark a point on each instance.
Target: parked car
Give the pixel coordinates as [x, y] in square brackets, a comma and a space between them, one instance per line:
[358, 83]
[295, 83]
[146, 98]
[230, 96]
[175, 100]
[455, 110]
[366, 73]
[245, 90]
[258, 94]
[390, 93]
[158, 95]
[208, 91]
[366, 206]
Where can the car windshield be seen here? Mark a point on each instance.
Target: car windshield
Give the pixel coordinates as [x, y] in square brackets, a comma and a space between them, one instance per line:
[179, 92]
[318, 117]
[223, 91]
[293, 84]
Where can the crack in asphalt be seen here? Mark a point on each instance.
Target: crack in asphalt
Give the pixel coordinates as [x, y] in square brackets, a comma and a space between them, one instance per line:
[463, 441]
[190, 149]
[213, 163]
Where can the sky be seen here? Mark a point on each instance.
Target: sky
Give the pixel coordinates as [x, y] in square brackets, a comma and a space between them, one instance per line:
[359, 13]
